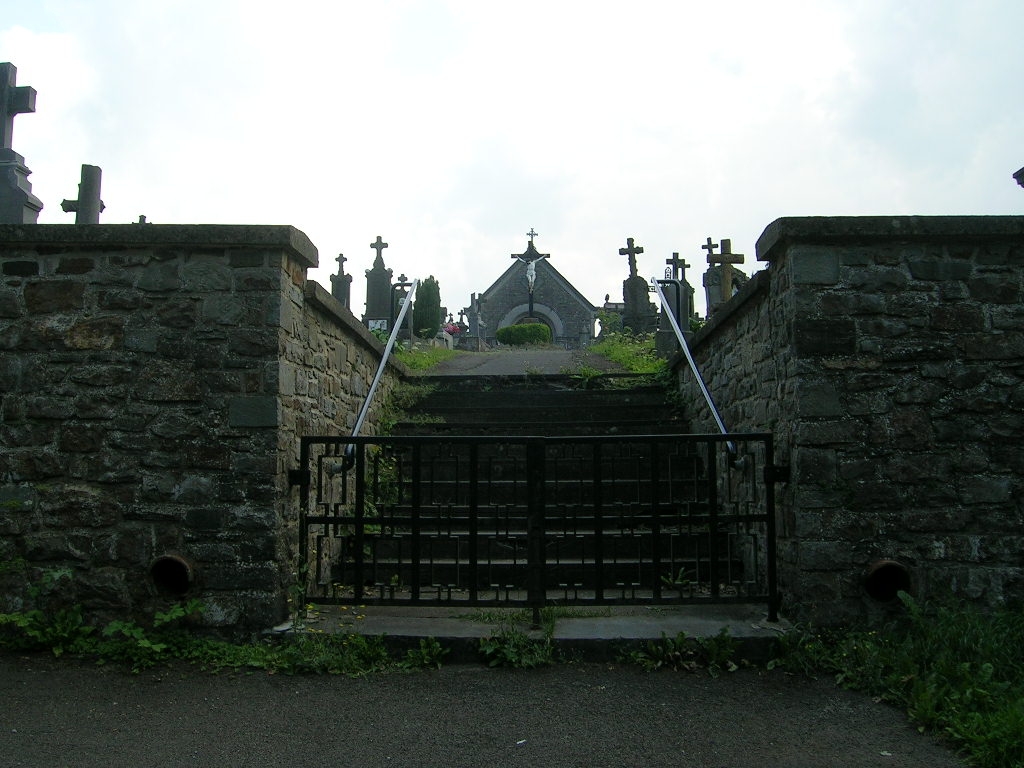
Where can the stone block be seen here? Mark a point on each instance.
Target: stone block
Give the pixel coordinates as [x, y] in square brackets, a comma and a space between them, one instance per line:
[818, 398]
[10, 305]
[935, 270]
[159, 277]
[253, 411]
[20, 268]
[814, 267]
[878, 280]
[96, 333]
[54, 296]
[824, 336]
[995, 289]
[980, 489]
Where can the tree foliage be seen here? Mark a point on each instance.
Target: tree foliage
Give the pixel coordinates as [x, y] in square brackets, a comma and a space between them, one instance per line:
[426, 311]
[527, 333]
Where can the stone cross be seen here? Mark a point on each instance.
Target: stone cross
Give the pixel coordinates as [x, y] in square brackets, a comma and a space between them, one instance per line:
[13, 101]
[631, 251]
[17, 203]
[88, 206]
[531, 234]
[726, 258]
[379, 246]
[709, 246]
[679, 267]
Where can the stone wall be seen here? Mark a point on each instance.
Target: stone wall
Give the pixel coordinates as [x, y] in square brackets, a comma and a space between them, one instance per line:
[887, 357]
[154, 381]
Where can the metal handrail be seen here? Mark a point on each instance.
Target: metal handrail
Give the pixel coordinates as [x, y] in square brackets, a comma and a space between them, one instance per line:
[689, 358]
[410, 297]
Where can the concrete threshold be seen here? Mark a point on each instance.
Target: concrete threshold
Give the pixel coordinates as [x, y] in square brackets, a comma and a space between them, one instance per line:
[598, 633]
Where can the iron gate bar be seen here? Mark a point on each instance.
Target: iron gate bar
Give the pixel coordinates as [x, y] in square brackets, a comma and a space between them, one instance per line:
[402, 531]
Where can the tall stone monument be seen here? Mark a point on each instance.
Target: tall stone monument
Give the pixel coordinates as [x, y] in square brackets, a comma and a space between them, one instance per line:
[378, 291]
[639, 315]
[341, 284]
[17, 203]
[88, 207]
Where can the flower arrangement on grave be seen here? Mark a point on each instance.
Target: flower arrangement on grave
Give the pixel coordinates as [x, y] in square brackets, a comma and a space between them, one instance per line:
[451, 328]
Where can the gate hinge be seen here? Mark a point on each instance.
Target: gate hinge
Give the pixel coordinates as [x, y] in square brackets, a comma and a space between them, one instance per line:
[776, 473]
[298, 477]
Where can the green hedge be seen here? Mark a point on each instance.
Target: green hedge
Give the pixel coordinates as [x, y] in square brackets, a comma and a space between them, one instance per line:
[528, 333]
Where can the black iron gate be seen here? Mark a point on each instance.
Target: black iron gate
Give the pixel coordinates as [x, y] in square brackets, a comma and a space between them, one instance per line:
[533, 521]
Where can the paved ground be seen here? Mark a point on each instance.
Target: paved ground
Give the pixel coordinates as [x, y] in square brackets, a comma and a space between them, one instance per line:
[64, 713]
[518, 361]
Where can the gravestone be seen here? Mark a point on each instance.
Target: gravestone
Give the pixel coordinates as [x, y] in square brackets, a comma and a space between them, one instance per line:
[722, 279]
[88, 206]
[639, 315]
[378, 291]
[679, 294]
[341, 284]
[17, 203]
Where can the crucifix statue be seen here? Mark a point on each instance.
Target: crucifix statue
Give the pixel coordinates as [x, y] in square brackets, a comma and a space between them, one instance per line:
[17, 203]
[530, 257]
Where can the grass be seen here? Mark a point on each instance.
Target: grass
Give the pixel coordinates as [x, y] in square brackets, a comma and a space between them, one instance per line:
[422, 357]
[956, 670]
[166, 639]
[634, 353]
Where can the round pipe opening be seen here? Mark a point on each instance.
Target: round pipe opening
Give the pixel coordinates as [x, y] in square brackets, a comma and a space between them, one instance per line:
[171, 575]
[885, 579]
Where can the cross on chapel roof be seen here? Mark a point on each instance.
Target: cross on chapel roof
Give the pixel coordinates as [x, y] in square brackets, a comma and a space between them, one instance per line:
[13, 101]
[532, 234]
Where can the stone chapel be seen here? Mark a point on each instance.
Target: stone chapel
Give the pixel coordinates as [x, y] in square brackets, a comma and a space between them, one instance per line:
[555, 302]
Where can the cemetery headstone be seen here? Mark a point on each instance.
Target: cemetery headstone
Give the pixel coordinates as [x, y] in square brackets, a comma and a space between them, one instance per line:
[639, 314]
[341, 284]
[721, 277]
[17, 203]
[378, 291]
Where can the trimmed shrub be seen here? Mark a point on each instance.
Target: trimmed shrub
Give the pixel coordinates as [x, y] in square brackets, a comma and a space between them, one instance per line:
[527, 333]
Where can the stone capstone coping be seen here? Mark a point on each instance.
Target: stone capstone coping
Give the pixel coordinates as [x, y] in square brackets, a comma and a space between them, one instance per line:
[840, 230]
[281, 236]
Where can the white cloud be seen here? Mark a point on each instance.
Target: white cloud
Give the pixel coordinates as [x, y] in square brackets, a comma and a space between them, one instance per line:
[451, 128]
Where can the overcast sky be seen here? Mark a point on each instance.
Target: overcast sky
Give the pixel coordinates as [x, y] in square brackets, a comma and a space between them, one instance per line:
[452, 128]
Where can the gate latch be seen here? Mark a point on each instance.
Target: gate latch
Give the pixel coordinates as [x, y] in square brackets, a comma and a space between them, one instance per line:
[298, 477]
